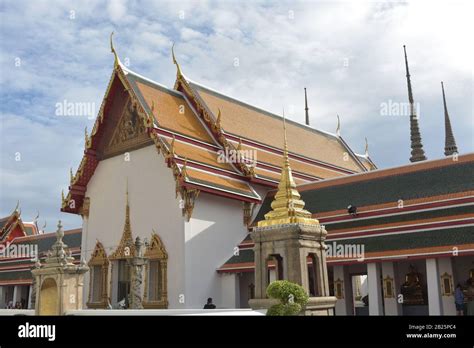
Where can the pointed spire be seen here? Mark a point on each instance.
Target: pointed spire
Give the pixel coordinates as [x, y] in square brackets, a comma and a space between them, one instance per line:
[366, 148]
[126, 247]
[417, 152]
[338, 128]
[239, 146]
[127, 207]
[71, 177]
[306, 110]
[178, 71]
[172, 151]
[450, 147]
[287, 206]
[112, 49]
[218, 121]
[184, 168]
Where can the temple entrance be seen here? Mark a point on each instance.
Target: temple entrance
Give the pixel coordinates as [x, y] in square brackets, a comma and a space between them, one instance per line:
[123, 283]
[360, 296]
[49, 298]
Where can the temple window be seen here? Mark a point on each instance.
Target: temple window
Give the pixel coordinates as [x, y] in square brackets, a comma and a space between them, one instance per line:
[156, 279]
[99, 266]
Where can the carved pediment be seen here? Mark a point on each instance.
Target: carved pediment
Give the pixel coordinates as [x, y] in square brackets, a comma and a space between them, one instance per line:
[130, 132]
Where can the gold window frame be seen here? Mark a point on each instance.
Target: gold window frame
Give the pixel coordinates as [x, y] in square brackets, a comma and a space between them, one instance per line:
[388, 287]
[156, 251]
[339, 289]
[99, 258]
[447, 284]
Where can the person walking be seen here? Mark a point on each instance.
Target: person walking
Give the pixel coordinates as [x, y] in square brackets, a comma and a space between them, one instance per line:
[459, 300]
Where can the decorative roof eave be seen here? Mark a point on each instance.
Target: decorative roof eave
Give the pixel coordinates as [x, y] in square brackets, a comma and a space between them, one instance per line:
[211, 121]
[188, 183]
[16, 223]
[72, 203]
[352, 153]
[368, 159]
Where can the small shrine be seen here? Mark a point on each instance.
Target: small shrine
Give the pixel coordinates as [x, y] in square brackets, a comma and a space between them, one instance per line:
[58, 280]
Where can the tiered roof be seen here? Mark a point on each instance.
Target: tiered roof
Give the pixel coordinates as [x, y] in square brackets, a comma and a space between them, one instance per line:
[194, 126]
[13, 226]
[411, 211]
[17, 270]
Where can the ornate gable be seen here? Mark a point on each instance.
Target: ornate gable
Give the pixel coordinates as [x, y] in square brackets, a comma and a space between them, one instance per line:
[130, 132]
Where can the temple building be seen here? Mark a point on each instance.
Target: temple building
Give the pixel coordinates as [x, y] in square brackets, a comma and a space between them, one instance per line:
[21, 243]
[412, 234]
[189, 171]
[196, 164]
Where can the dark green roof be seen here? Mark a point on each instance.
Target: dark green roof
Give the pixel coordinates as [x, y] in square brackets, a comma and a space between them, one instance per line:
[443, 212]
[449, 236]
[456, 177]
[245, 255]
[19, 275]
[44, 242]
[434, 238]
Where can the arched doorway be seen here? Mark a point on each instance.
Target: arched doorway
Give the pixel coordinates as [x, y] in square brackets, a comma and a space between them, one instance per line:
[48, 298]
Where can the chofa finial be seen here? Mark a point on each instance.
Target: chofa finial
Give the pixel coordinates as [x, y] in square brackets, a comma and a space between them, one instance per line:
[112, 49]
[178, 72]
[338, 128]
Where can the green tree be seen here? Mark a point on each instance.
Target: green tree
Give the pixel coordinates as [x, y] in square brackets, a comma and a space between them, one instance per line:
[292, 298]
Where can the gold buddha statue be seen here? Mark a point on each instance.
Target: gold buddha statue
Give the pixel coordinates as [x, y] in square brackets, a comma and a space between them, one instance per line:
[412, 288]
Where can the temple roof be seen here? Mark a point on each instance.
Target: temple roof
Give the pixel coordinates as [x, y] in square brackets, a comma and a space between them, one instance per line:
[198, 129]
[418, 180]
[17, 270]
[425, 208]
[257, 129]
[12, 226]
[192, 141]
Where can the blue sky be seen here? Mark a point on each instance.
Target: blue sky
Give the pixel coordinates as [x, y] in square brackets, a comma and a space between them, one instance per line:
[349, 55]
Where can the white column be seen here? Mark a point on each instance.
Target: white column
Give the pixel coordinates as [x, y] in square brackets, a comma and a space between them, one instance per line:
[375, 289]
[16, 291]
[30, 287]
[2, 296]
[447, 302]
[391, 305]
[344, 305]
[230, 295]
[434, 290]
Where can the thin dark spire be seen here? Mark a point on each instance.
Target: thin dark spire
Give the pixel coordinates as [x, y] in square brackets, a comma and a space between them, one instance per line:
[306, 107]
[417, 152]
[449, 142]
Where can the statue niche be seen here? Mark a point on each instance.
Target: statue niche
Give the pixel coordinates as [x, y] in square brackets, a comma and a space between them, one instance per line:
[412, 289]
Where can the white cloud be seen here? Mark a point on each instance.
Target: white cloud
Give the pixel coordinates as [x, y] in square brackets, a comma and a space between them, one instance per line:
[117, 9]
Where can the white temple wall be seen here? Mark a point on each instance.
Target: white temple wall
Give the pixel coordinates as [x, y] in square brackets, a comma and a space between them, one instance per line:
[215, 229]
[153, 205]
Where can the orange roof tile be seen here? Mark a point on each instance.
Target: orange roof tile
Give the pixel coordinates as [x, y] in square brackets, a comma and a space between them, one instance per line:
[172, 112]
[249, 122]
